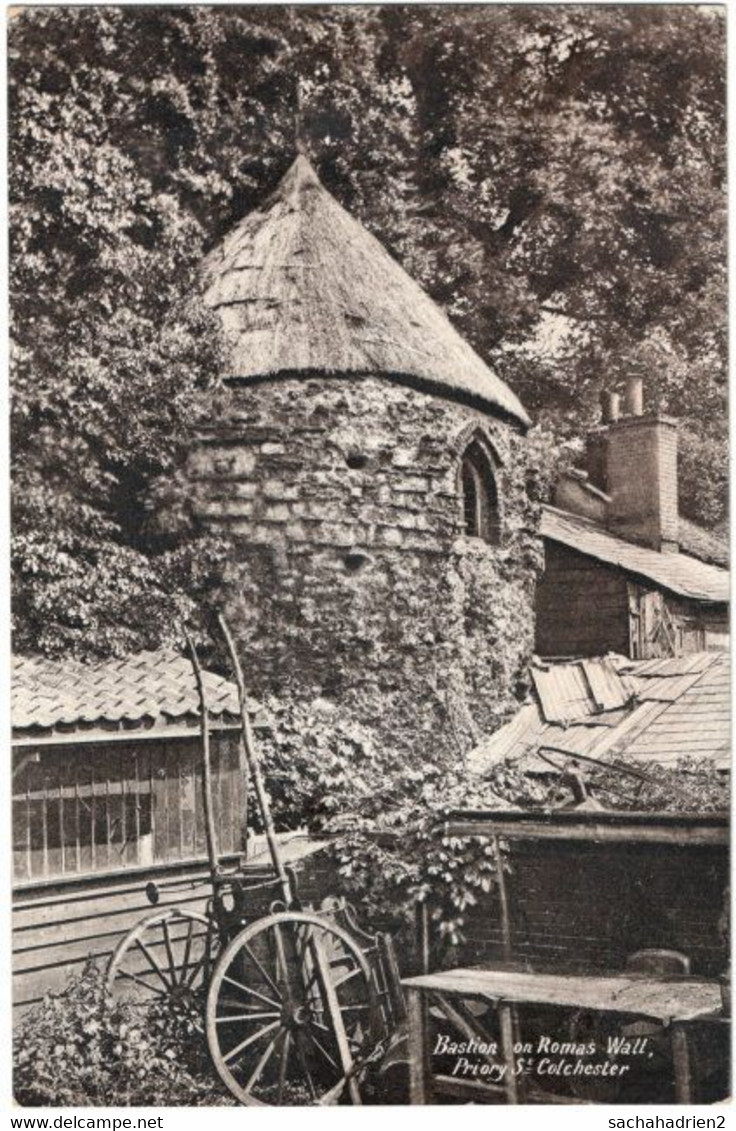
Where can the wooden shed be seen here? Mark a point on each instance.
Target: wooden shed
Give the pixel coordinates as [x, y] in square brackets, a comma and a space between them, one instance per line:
[106, 796]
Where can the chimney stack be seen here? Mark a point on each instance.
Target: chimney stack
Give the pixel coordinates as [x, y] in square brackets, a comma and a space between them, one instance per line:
[634, 396]
[641, 473]
[610, 407]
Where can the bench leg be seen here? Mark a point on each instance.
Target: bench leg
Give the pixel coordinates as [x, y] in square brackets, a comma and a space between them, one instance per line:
[681, 1062]
[506, 1018]
[420, 1077]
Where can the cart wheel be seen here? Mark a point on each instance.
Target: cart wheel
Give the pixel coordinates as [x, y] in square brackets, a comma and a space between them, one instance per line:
[168, 955]
[291, 1012]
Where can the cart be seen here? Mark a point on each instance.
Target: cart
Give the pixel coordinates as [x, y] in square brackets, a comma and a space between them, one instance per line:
[298, 1001]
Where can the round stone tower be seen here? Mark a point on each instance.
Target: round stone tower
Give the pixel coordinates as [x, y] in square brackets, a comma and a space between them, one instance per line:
[369, 469]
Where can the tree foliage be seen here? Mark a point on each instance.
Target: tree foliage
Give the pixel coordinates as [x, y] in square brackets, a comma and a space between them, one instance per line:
[554, 178]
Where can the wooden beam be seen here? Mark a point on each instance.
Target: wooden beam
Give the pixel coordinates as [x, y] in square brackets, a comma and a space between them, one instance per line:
[95, 737]
[597, 833]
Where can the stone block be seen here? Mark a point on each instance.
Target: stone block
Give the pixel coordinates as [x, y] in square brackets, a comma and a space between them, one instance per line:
[389, 536]
[297, 531]
[225, 508]
[278, 489]
[409, 483]
[230, 461]
[243, 490]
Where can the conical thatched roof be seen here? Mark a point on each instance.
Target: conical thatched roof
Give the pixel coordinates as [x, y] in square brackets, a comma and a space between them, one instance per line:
[302, 287]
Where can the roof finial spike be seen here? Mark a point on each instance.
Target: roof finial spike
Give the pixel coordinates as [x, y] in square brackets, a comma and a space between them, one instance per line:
[299, 143]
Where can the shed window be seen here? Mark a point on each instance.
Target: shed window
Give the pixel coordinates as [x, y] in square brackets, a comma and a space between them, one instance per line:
[110, 806]
[481, 514]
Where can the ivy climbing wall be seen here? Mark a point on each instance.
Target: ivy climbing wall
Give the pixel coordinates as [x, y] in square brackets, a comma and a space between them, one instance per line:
[351, 581]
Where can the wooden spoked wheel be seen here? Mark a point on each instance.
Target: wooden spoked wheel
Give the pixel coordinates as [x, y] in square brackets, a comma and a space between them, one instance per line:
[167, 956]
[291, 1012]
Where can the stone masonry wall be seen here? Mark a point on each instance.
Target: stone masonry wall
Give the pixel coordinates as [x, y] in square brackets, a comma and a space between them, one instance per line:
[351, 580]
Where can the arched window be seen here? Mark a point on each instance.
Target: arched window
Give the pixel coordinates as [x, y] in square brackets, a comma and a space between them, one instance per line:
[481, 515]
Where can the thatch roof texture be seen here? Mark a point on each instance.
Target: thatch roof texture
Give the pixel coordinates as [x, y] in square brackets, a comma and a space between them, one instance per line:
[302, 287]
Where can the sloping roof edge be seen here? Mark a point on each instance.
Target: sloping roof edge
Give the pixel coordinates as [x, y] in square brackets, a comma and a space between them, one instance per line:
[134, 697]
[680, 573]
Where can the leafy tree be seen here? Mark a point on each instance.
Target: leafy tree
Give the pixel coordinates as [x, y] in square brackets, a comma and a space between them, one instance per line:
[112, 363]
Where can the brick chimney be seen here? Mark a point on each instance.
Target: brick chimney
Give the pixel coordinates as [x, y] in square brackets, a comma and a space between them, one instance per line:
[641, 473]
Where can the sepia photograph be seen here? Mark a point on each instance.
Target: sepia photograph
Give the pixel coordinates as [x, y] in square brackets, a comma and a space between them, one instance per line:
[369, 555]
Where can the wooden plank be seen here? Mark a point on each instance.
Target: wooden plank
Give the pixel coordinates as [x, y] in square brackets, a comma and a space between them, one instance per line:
[72, 848]
[231, 776]
[48, 970]
[127, 791]
[217, 792]
[98, 809]
[29, 846]
[160, 814]
[420, 1087]
[506, 1019]
[596, 833]
[32, 949]
[188, 790]
[681, 1064]
[648, 996]
[86, 821]
[55, 911]
[90, 741]
[116, 807]
[173, 803]
[243, 778]
[61, 924]
[200, 838]
[21, 831]
[28, 895]
[222, 754]
[54, 863]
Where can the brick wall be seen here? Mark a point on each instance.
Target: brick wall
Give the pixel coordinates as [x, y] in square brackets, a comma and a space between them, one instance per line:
[641, 478]
[350, 578]
[578, 907]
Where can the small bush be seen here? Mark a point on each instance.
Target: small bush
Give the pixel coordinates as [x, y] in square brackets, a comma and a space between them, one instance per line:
[81, 1048]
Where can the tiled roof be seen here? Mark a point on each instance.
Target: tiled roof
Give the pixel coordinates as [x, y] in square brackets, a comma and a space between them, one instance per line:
[656, 711]
[151, 687]
[679, 573]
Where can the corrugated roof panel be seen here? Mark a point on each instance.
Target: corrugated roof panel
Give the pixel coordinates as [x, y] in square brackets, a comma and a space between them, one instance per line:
[609, 689]
[663, 730]
[563, 692]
